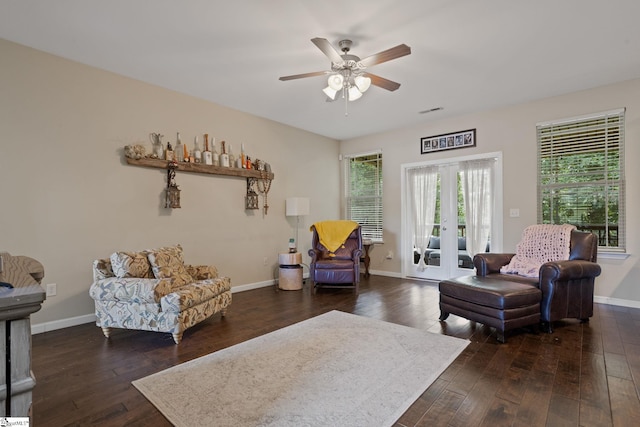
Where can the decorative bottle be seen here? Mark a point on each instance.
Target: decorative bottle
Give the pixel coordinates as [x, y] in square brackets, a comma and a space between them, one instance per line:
[197, 154]
[169, 154]
[232, 158]
[206, 154]
[243, 159]
[224, 157]
[214, 153]
[179, 150]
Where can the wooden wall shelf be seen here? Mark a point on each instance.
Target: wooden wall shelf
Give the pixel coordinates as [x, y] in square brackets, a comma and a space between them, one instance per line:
[201, 168]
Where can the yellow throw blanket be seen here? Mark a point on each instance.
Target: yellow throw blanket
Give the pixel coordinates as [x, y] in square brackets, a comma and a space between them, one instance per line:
[333, 234]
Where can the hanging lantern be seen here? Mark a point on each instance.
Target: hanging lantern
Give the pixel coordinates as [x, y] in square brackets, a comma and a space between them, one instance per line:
[172, 199]
[251, 199]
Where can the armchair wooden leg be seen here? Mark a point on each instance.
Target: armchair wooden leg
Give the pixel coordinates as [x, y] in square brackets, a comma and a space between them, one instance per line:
[177, 337]
[444, 315]
[106, 332]
[223, 312]
[546, 327]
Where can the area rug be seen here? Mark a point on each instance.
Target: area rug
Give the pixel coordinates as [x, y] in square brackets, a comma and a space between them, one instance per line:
[336, 369]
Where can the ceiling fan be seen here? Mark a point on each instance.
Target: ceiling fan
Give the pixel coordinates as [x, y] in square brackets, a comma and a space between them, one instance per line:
[348, 73]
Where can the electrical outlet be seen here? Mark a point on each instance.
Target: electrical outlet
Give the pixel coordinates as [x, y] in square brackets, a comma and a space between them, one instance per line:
[389, 255]
[264, 261]
[514, 213]
[51, 290]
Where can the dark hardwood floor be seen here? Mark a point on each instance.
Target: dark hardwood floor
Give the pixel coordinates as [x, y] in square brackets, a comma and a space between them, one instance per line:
[581, 375]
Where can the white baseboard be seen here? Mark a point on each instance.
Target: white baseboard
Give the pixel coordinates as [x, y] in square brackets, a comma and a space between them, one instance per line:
[616, 301]
[250, 286]
[89, 318]
[386, 273]
[63, 323]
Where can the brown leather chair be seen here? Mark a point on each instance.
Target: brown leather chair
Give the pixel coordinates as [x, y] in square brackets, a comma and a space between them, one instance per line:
[339, 271]
[567, 286]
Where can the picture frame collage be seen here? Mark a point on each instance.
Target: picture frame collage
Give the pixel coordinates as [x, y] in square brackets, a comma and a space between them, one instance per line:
[448, 141]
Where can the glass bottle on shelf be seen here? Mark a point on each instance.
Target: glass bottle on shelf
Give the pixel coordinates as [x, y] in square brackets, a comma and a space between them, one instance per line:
[224, 157]
[215, 157]
[169, 154]
[232, 158]
[207, 157]
[197, 154]
[179, 150]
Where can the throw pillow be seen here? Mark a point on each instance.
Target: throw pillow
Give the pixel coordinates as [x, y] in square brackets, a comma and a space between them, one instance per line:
[131, 264]
[167, 263]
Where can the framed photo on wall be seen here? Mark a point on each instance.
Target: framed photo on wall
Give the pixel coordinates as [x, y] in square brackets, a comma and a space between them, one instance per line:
[448, 141]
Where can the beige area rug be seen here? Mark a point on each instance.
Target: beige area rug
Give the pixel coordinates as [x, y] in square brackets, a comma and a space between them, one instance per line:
[336, 369]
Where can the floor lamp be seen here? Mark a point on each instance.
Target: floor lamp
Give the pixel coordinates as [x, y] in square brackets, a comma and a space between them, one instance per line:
[297, 206]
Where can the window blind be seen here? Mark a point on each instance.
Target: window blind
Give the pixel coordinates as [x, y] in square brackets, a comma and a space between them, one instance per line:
[364, 193]
[581, 175]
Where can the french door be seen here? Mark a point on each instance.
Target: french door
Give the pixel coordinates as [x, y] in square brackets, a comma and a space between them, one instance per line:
[437, 236]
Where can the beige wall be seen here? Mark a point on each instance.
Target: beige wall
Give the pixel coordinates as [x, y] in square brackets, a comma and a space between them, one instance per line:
[512, 131]
[68, 197]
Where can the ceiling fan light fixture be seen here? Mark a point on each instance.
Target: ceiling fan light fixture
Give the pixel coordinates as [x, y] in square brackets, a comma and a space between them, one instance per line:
[335, 81]
[330, 92]
[354, 93]
[362, 83]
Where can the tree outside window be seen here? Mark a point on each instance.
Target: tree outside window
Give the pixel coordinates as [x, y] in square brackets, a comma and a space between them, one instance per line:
[581, 175]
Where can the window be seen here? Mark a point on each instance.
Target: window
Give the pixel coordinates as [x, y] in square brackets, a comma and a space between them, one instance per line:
[581, 175]
[363, 191]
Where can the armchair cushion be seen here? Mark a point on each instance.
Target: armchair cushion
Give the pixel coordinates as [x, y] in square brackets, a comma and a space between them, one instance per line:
[195, 294]
[131, 264]
[130, 289]
[202, 272]
[167, 263]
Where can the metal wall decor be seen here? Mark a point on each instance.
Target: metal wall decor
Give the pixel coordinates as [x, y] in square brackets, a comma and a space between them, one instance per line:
[251, 199]
[172, 200]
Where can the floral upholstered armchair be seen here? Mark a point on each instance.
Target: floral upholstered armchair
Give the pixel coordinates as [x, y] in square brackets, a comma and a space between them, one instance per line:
[154, 290]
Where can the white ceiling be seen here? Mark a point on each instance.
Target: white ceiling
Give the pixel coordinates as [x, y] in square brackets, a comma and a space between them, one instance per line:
[467, 55]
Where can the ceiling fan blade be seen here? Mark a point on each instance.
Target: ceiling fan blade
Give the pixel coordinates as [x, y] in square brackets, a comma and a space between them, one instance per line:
[301, 76]
[386, 55]
[382, 82]
[327, 49]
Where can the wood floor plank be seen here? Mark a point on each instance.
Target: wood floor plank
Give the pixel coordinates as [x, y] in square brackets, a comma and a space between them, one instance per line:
[535, 402]
[625, 407]
[563, 411]
[594, 392]
[533, 379]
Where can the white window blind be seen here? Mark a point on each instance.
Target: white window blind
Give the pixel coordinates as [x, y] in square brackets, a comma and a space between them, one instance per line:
[581, 175]
[363, 190]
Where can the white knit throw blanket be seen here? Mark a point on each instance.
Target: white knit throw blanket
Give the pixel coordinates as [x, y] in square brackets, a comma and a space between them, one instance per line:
[540, 243]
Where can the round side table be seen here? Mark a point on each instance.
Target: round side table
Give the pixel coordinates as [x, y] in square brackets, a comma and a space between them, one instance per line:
[290, 274]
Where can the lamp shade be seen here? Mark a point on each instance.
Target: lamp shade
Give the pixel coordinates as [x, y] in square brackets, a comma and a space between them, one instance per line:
[354, 93]
[331, 93]
[362, 83]
[297, 206]
[335, 81]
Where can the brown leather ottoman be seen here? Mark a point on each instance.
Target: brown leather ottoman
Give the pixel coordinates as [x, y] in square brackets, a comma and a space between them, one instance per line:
[502, 304]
